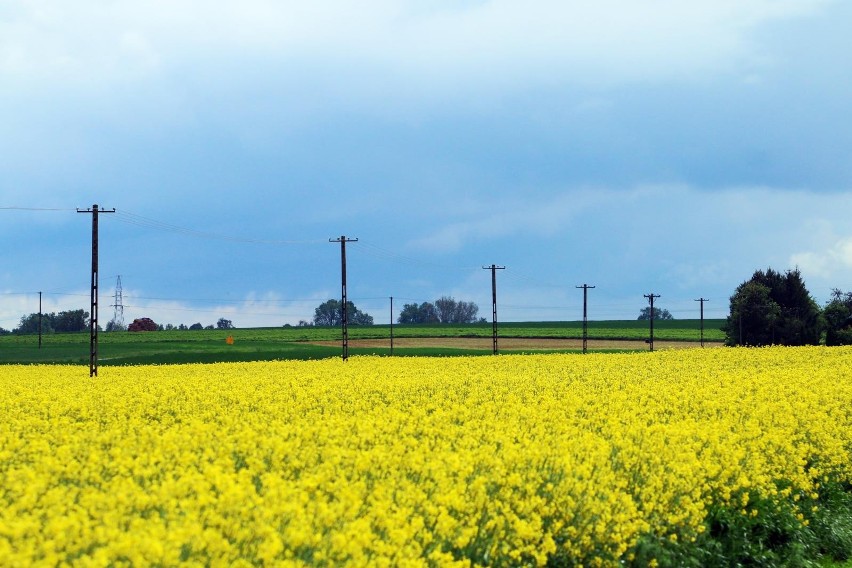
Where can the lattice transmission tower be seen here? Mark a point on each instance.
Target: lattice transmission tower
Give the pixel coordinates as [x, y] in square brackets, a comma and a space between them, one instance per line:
[118, 304]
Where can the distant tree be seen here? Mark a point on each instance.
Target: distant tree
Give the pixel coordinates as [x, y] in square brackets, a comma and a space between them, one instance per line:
[659, 314]
[754, 315]
[329, 314]
[29, 324]
[424, 313]
[209, 326]
[356, 316]
[196, 326]
[4, 331]
[113, 325]
[71, 320]
[142, 324]
[303, 323]
[773, 308]
[445, 310]
[466, 312]
[451, 311]
[224, 324]
[182, 327]
[838, 318]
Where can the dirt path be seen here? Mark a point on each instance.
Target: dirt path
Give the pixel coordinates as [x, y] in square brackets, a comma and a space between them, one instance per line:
[517, 343]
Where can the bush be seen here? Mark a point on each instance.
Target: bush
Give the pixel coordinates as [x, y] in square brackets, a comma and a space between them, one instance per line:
[142, 324]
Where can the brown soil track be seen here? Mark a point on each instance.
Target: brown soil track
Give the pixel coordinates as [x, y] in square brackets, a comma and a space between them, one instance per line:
[517, 343]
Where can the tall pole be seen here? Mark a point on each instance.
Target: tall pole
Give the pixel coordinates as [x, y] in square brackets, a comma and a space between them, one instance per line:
[93, 321]
[651, 299]
[39, 320]
[344, 318]
[118, 314]
[702, 300]
[585, 288]
[391, 324]
[493, 268]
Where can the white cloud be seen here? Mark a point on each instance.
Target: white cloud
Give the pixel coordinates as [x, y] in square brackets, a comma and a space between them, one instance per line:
[498, 41]
[833, 261]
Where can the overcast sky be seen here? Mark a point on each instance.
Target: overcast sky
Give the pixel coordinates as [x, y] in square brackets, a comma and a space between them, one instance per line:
[659, 146]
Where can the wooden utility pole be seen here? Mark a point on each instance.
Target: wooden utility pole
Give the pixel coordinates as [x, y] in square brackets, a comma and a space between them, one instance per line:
[39, 320]
[343, 315]
[585, 288]
[494, 268]
[651, 299]
[702, 300]
[93, 322]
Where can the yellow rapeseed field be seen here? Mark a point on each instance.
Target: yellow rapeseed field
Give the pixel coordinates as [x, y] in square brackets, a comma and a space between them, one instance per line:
[410, 461]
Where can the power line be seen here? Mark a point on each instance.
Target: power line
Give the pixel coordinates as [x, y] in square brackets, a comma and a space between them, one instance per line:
[146, 222]
[8, 208]
[374, 251]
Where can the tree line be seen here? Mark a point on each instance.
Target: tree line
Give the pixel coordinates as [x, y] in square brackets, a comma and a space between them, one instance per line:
[444, 310]
[63, 322]
[772, 308]
[71, 321]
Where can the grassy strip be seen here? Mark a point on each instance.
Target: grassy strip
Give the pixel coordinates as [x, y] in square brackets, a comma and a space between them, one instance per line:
[263, 344]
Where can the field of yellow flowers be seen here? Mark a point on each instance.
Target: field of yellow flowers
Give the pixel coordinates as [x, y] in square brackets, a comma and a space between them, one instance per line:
[602, 459]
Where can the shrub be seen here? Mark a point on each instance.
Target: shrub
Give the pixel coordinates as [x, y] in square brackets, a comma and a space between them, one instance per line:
[142, 324]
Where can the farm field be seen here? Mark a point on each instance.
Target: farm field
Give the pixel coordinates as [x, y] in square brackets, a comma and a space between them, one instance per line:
[320, 342]
[713, 457]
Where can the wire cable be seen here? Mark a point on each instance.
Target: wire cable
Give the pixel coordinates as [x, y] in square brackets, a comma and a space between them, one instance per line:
[11, 208]
[130, 218]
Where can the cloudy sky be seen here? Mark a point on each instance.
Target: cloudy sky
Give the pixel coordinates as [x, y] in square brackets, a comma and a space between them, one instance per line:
[657, 146]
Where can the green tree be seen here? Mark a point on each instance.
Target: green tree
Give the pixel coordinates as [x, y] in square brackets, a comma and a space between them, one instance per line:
[329, 314]
[29, 324]
[445, 310]
[838, 318]
[224, 324]
[71, 321]
[424, 313]
[451, 311]
[645, 314]
[773, 308]
[113, 325]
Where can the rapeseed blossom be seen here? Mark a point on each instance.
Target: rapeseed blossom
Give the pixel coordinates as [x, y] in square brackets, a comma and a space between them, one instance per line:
[410, 461]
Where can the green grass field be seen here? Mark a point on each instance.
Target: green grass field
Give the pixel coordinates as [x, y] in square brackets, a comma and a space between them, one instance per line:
[256, 344]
